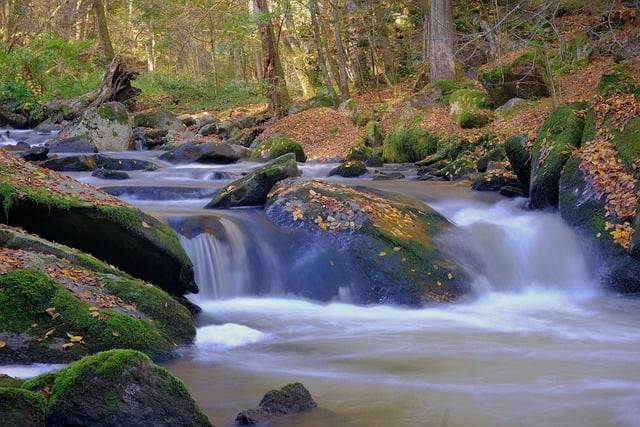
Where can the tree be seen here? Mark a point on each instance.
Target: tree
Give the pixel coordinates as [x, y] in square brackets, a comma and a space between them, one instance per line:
[441, 56]
[313, 9]
[103, 30]
[277, 92]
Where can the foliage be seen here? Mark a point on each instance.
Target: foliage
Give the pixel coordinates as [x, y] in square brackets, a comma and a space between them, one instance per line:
[407, 142]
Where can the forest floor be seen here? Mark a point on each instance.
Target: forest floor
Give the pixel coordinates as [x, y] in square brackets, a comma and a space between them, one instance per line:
[326, 134]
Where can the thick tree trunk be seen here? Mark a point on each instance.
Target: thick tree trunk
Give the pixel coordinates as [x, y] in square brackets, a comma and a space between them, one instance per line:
[103, 30]
[296, 53]
[441, 56]
[273, 73]
[341, 57]
[116, 86]
[354, 31]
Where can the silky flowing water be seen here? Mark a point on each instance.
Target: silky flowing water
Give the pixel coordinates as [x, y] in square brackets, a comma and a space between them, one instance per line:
[537, 344]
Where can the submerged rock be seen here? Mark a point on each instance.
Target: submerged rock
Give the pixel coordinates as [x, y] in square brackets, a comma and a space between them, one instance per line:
[117, 388]
[389, 242]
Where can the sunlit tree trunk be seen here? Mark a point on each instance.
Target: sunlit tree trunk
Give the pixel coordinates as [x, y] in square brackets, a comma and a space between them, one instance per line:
[313, 8]
[341, 57]
[103, 30]
[296, 53]
[441, 56]
[277, 92]
[354, 31]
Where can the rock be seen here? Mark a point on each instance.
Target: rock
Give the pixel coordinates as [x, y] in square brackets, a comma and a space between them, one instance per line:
[160, 119]
[62, 209]
[315, 102]
[117, 388]
[433, 95]
[252, 189]
[206, 119]
[103, 173]
[208, 129]
[202, 152]
[520, 159]
[84, 163]
[35, 154]
[22, 408]
[465, 106]
[389, 243]
[187, 119]
[224, 129]
[495, 180]
[469, 120]
[14, 120]
[149, 138]
[106, 126]
[75, 144]
[290, 399]
[510, 105]
[525, 77]
[349, 169]
[275, 146]
[551, 149]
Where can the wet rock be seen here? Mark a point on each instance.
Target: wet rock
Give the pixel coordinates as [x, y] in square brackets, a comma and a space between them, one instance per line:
[12, 119]
[103, 173]
[290, 399]
[349, 169]
[520, 159]
[74, 144]
[202, 152]
[275, 146]
[117, 388]
[160, 119]
[35, 154]
[252, 189]
[389, 242]
[84, 163]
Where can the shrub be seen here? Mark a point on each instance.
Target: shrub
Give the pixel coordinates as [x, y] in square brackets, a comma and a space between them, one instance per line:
[406, 142]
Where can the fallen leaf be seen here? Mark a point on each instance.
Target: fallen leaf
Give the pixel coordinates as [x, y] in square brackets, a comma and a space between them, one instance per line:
[3, 344]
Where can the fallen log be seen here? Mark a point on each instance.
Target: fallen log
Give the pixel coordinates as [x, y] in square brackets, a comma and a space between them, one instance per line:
[116, 86]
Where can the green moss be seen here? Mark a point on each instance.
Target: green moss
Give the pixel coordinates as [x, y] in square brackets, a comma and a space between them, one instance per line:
[41, 381]
[277, 146]
[360, 150]
[7, 381]
[9, 196]
[21, 407]
[469, 99]
[628, 143]
[25, 296]
[112, 112]
[408, 143]
[374, 132]
[471, 120]
[619, 79]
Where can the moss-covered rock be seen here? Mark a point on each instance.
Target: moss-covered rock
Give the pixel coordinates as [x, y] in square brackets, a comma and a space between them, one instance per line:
[64, 210]
[407, 142]
[117, 388]
[202, 152]
[252, 189]
[526, 77]
[290, 399]
[464, 104]
[349, 169]
[22, 408]
[160, 119]
[54, 311]
[107, 127]
[389, 242]
[559, 133]
[472, 120]
[519, 157]
[275, 146]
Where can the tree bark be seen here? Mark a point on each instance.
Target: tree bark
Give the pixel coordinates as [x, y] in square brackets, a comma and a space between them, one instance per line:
[341, 57]
[441, 56]
[116, 86]
[103, 30]
[296, 53]
[313, 8]
[354, 32]
[277, 92]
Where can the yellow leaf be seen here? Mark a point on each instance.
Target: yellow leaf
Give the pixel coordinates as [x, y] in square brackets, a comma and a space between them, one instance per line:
[75, 338]
[115, 334]
[450, 276]
[439, 283]
[397, 248]
[50, 332]
[3, 344]
[382, 254]
[67, 345]
[145, 225]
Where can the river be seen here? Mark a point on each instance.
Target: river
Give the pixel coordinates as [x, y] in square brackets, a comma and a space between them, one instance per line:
[537, 344]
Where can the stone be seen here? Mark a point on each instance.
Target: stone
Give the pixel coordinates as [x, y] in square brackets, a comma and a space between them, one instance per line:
[160, 119]
[74, 144]
[291, 399]
[202, 152]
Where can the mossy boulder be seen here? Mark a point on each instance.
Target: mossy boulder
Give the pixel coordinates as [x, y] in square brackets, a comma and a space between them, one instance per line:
[526, 77]
[117, 388]
[202, 152]
[275, 146]
[519, 157]
[55, 309]
[252, 189]
[408, 143]
[290, 399]
[22, 408]
[559, 133]
[61, 209]
[349, 169]
[389, 243]
[465, 107]
[160, 119]
[600, 189]
[106, 126]
[85, 163]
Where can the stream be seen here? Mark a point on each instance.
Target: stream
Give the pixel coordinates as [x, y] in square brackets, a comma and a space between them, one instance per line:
[537, 344]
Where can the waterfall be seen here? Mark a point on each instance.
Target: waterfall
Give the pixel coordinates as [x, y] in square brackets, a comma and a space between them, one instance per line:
[507, 249]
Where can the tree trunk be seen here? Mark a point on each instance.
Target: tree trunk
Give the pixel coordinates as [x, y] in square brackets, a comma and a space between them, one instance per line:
[116, 86]
[354, 31]
[273, 73]
[103, 30]
[341, 57]
[313, 8]
[441, 56]
[296, 53]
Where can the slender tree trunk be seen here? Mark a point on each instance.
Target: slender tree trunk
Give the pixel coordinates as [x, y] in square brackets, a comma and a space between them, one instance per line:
[103, 30]
[273, 73]
[296, 53]
[341, 57]
[354, 32]
[441, 56]
[313, 8]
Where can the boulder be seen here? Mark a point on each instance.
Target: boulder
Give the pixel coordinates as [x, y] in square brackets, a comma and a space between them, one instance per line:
[561, 131]
[525, 77]
[84, 163]
[103, 173]
[349, 169]
[22, 408]
[389, 243]
[275, 146]
[465, 106]
[62, 209]
[160, 119]
[202, 152]
[252, 189]
[106, 126]
[12, 119]
[75, 144]
[117, 388]
[290, 399]
[35, 154]
[519, 157]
